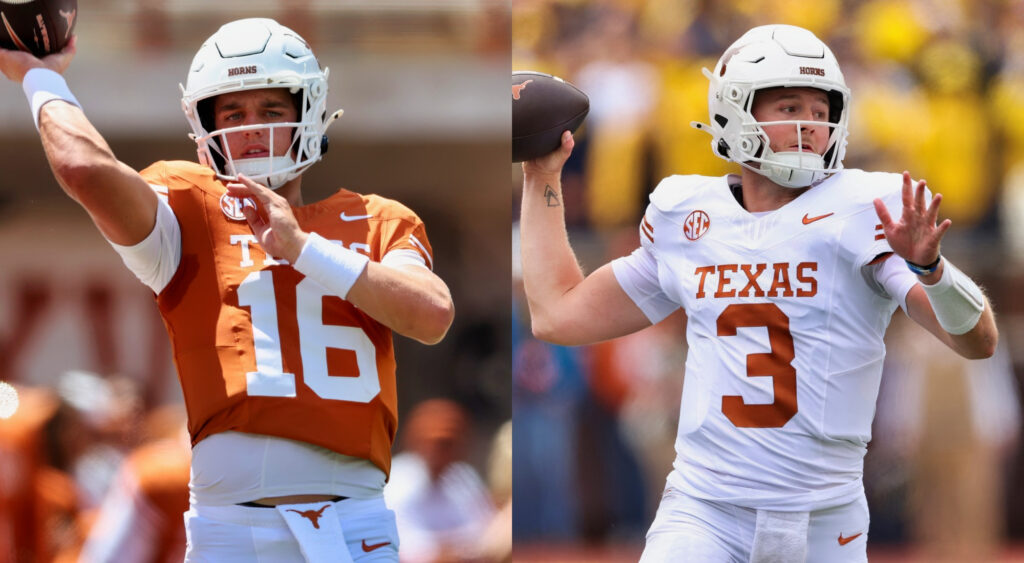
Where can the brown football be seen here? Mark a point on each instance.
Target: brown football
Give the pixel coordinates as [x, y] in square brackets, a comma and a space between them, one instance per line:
[40, 27]
[543, 106]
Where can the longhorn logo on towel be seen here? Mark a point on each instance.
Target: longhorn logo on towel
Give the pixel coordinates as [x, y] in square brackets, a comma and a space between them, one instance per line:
[313, 515]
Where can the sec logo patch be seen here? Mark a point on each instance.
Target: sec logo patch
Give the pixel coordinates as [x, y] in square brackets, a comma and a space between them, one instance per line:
[232, 207]
[696, 225]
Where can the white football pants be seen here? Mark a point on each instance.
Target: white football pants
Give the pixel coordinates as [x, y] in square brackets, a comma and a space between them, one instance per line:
[691, 529]
[292, 533]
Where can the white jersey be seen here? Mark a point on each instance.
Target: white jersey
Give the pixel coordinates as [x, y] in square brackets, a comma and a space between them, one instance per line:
[784, 333]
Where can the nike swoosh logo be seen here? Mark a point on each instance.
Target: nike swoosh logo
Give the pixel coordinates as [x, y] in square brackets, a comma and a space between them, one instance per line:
[842, 540]
[809, 220]
[353, 217]
[368, 548]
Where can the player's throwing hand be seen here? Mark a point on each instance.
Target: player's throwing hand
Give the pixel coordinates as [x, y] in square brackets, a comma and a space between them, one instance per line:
[14, 64]
[915, 237]
[552, 162]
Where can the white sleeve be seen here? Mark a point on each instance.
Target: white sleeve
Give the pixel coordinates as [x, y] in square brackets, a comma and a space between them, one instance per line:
[638, 276]
[156, 258]
[403, 257]
[894, 278]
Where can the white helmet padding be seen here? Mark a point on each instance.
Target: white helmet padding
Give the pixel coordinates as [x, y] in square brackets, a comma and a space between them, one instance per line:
[253, 54]
[774, 56]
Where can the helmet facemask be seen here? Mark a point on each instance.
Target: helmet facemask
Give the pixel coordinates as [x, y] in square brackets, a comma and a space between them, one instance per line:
[215, 149]
[791, 169]
[272, 171]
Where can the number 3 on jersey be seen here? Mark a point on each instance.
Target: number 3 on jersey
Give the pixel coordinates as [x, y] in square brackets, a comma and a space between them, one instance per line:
[270, 379]
[778, 364]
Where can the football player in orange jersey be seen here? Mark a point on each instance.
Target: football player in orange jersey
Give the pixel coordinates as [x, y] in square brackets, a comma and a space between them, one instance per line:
[789, 274]
[280, 312]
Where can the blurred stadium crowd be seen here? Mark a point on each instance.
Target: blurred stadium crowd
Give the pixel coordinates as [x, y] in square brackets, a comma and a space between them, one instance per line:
[938, 89]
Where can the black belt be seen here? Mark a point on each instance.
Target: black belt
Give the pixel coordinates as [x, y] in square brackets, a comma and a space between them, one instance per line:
[259, 505]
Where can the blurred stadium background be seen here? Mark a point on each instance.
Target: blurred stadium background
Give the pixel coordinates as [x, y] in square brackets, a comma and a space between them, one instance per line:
[938, 89]
[424, 88]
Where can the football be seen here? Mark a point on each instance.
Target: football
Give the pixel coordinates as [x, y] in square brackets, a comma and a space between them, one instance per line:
[543, 106]
[40, 27]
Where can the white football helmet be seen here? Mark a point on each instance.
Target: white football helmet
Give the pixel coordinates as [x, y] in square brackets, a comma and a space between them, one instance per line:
[773, 56]
[252, 54]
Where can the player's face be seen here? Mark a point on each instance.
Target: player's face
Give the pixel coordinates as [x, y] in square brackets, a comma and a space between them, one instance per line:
[806, 104]
[256, 107]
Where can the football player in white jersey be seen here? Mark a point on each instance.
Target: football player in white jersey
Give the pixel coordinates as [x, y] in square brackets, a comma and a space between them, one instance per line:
[789, 274]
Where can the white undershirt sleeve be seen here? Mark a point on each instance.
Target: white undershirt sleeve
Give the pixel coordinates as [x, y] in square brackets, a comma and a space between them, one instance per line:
[638, 276]
[156, 258]
[893, 276]
[403, 257]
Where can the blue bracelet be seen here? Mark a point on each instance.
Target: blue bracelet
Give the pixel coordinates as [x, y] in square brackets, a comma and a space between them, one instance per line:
[924, 270]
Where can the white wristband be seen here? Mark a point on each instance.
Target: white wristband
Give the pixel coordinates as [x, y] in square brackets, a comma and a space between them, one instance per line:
[956, 300]
[331, 265]
[43, 85]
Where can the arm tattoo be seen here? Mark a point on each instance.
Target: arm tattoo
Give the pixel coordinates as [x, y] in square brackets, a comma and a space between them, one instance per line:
[551, 196]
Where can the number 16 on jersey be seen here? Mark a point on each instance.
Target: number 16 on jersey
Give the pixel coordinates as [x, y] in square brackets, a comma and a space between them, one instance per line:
[315, 337]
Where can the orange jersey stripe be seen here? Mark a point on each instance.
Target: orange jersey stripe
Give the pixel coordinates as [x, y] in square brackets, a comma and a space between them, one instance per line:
[647, 229]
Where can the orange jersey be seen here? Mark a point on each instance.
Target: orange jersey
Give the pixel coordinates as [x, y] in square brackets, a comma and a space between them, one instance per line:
[261, 349]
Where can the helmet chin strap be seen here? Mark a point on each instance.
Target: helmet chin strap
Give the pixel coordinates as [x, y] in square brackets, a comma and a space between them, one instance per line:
[793, 169]
[261, 170]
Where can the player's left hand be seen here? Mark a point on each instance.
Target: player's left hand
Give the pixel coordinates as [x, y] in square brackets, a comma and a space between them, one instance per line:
[916, 236]
[272, 220]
